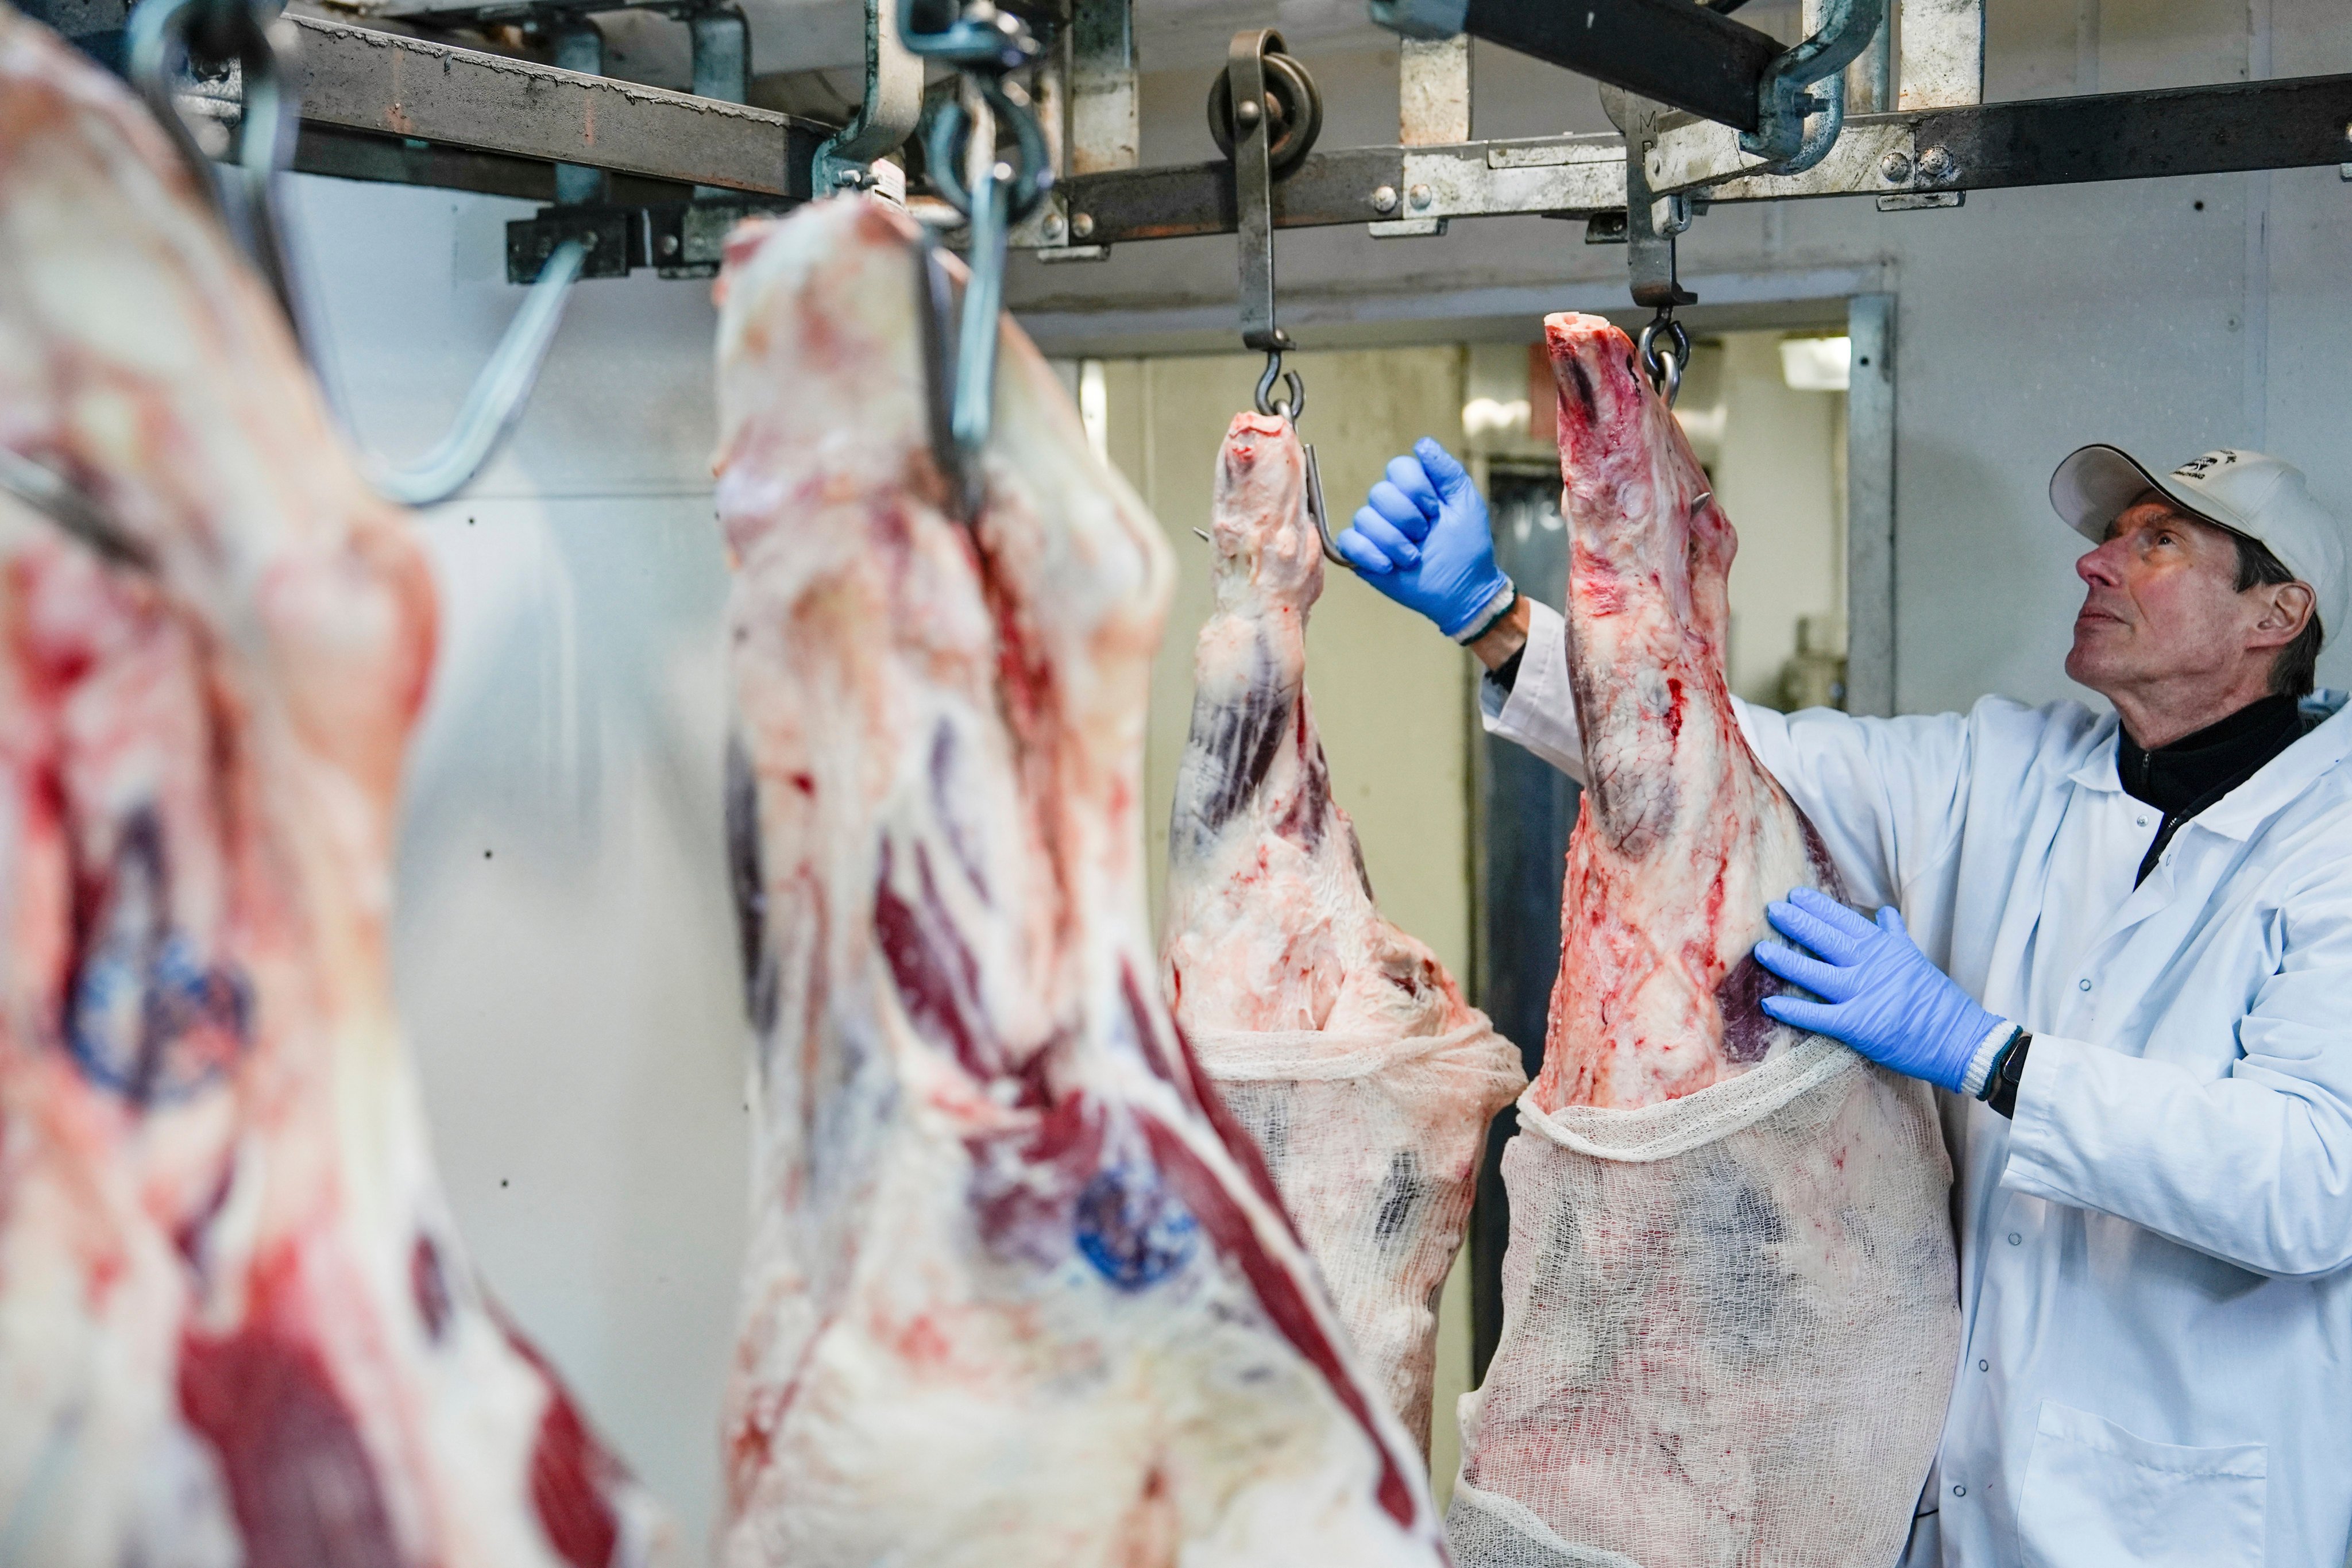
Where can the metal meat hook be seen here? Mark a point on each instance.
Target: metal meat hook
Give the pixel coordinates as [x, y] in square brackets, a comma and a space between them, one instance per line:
[163, 36]
[1291, 408]
[1288, 410]
[959, 346]
[1249, 139]
[1315, 510]
[72, 510]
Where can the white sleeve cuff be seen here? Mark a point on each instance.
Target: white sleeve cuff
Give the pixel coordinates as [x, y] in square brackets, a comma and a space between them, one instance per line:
[1972, 1083]
[1538, 713]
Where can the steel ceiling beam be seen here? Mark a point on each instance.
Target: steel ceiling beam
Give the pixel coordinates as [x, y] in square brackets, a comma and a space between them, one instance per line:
[356, 78]
[1691, 57]
[378, 105]
[2299, 124]
[2237, 126]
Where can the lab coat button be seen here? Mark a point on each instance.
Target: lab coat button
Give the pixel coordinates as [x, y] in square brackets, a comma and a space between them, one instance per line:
[2143, 822]
[2015, 1239]
[1959, 1491]
[2082, 985]
[1984, 1367]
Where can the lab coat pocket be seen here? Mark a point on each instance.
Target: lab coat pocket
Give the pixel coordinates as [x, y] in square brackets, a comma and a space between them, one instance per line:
[2097, 1493]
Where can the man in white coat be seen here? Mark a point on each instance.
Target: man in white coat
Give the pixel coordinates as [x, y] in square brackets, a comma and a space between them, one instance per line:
[2124, 943]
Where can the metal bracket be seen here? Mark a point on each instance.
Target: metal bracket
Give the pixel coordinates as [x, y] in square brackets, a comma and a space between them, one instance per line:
[580, 46]
[1105, 130]
[720, 42]
[720, 59]
[677, 239]
[1702, 156]
[1922, 201]
[1942, 62]
[1433, 110]
[1652, 221]
[1088, 80]
[1432, 92]
[886, 115]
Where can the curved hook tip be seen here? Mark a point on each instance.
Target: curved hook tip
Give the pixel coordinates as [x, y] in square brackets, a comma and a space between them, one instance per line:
[494, 404]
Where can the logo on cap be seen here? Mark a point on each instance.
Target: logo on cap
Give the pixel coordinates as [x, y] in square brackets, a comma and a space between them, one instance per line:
[2198, 467]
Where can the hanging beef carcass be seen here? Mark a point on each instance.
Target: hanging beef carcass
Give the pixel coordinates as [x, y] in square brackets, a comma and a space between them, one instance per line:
[1014, 1297]
[237, 1326]
[1340, 1042]
[1729, 1311]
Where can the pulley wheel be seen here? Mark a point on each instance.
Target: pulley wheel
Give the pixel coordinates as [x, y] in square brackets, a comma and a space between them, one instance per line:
[1294, 113]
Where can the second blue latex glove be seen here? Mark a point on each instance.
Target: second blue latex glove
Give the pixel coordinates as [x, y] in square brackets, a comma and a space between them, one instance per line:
[1879, 993]
[1423, 539]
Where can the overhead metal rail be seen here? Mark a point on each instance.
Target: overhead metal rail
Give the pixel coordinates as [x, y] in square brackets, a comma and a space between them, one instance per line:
[444, 102]
[377, 105]
[2300, 123]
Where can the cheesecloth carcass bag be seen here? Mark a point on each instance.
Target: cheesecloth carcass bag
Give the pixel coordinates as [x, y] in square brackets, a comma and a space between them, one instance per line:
[1374, 1146]
[1729, 1328]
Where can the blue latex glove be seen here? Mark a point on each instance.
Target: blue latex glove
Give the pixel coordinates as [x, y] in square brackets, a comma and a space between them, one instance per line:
[1880, 993]
[1422, 538]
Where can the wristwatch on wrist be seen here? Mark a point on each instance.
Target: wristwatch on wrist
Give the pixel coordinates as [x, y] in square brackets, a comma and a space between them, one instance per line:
[2008, 1069]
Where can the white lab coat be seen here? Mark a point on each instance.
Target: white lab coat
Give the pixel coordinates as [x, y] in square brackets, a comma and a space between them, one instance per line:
[2156, 1362]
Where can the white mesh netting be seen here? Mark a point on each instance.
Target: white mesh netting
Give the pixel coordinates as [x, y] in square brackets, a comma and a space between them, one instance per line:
[1374, 1143]
[1728, 1328]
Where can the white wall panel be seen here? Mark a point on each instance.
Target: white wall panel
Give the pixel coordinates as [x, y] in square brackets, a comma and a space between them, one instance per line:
[563, 952]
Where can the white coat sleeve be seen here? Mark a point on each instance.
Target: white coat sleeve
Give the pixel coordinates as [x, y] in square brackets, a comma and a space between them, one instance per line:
[1886, 795]
[1538, 713]
[2255, 1168]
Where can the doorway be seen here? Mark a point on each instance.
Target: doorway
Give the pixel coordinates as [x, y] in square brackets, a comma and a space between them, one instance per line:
[1465, 838]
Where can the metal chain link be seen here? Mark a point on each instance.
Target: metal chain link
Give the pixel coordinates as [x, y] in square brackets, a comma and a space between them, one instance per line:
[1664, 366]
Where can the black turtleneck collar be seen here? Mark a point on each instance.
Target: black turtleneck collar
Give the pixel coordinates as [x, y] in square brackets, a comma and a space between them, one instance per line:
[2185, 777]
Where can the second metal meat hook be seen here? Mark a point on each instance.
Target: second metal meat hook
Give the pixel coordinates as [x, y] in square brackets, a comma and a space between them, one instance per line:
[1288, 410]
[494, 404]
[163, 36]
[57, 499]
[959, 346]
[1315, 508]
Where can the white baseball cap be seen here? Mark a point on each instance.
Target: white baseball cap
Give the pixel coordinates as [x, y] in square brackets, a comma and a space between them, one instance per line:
[2245, 492]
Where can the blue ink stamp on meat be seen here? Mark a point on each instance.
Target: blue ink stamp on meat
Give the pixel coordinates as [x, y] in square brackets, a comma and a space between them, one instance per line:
[149, 1017]
[1132, 1229]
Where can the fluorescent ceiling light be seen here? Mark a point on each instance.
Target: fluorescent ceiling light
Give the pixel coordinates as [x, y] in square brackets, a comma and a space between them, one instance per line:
[1817, 364]
[1486, 417]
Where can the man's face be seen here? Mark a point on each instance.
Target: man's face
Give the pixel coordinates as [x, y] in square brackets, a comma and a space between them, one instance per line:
[2161, 603]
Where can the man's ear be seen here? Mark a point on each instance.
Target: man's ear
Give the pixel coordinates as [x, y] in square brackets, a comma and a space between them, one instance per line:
[2285, 616]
